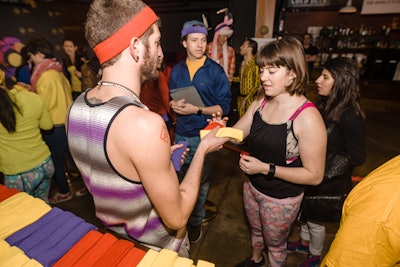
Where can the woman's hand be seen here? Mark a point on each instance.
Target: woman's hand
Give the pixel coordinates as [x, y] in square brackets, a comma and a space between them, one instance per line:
[252, 165]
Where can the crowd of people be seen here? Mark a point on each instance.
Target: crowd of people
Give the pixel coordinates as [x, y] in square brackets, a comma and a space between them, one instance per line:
[111, 115]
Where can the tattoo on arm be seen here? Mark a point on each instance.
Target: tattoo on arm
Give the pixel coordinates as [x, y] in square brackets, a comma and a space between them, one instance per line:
[164, 135]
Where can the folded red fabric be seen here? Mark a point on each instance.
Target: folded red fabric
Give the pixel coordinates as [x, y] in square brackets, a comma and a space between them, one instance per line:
[114, 254]
[80, 249]
[96, 251]
[6, 192]
[132, 258]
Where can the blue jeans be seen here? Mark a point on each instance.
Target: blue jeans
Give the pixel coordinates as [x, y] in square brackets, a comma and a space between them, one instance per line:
[56, 140]
[198, 213]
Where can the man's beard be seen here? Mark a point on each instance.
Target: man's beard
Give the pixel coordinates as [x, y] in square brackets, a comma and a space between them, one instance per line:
[149, 69]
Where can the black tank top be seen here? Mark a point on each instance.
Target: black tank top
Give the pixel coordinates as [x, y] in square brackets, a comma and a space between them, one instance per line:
[275, 143]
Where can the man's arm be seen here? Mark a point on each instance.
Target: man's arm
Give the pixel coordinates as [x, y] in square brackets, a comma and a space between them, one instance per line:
[141, 151]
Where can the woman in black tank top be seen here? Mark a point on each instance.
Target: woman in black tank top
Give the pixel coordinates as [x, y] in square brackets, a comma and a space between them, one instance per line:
[287, 146]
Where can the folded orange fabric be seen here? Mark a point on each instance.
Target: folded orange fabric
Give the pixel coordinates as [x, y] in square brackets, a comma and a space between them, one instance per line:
[80, 249]
[114, 254]
[6, 192]
[132, 258]
[96, 251]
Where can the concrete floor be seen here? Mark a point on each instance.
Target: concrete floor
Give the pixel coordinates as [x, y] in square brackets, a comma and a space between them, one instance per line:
[226, 239]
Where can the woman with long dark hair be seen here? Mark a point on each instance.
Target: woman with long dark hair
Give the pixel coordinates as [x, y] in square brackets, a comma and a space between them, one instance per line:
[25, 158]
[340, 105]
[72, 64]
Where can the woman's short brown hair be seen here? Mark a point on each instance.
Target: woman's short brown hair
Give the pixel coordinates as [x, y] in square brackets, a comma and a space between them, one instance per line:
[287, 52]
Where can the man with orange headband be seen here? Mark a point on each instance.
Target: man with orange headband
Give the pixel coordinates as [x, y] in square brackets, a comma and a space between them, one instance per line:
[120, 147]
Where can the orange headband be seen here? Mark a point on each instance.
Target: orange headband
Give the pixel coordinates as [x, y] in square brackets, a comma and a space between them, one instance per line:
[117, 42]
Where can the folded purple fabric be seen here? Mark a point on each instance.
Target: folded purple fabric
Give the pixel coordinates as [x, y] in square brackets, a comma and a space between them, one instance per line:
[43, 234]
[49, 255]
[19, 236]
[64, 229]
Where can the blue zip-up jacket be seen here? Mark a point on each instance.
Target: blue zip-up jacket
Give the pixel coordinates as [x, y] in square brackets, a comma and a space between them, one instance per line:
[213, 87]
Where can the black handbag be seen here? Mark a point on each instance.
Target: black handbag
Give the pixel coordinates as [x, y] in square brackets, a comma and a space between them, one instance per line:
[322, 208]
[336, 165]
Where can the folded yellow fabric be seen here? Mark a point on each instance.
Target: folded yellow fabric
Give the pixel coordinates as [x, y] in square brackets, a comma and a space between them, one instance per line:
[32, 263]
[165, 258]
[3, 245]
[183, 262]
[18, 211]
[148, 259]
[13, 256]
[201, 263]
[226, 132]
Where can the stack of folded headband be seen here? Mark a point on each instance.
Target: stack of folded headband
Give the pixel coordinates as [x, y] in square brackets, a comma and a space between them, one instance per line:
[223, 131]
[117, 42]
[32, 234]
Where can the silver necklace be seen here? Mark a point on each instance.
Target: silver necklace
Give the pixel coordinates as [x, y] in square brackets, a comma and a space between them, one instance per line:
[120, 86]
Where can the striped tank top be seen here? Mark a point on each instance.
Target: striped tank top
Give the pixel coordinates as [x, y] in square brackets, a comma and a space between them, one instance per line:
[121, 204]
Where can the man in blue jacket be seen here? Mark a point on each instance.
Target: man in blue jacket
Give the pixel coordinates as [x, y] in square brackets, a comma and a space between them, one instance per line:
[212, 84]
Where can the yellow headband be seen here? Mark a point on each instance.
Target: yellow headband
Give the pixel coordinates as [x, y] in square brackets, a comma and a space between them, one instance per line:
[117, 42]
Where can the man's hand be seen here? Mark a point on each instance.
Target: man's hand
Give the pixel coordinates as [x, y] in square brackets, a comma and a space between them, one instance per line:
[182, 108]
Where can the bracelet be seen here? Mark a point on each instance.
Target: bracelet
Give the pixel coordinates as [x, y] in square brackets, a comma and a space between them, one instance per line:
[199, 111]
[272, 169]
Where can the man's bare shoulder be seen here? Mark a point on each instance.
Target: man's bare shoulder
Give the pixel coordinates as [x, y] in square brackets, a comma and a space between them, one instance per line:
[134, 117]
[137, 129]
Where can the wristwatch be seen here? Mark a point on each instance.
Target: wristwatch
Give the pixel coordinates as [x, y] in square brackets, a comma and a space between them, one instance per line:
[271, 169]
[199, 111]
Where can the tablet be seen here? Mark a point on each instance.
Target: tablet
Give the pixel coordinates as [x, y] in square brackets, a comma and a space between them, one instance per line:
[188, 93]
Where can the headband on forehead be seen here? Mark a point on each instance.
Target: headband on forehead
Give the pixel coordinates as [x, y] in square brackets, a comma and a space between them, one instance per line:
[117, 42]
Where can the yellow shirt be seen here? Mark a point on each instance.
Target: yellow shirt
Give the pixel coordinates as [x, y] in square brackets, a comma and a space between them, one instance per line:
[55, 91]
[369, 232]
[249, 85]
[76, 84]
[193, 66]
[25, 149]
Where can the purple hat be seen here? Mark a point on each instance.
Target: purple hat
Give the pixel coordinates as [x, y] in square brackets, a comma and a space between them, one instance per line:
[193, 26]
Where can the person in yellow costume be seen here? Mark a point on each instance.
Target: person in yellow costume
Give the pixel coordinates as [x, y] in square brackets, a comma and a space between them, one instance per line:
[249, 78]
[49, 82]
[369, 232]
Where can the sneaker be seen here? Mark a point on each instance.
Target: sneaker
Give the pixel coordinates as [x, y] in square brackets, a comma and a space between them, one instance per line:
[297, 247]
[58, 198]
[194, 233]
[249, 262]
[81, 192]
[211, 211]
[311, 261]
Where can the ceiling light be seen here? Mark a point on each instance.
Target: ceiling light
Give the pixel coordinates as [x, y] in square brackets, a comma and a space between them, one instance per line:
[349, 8]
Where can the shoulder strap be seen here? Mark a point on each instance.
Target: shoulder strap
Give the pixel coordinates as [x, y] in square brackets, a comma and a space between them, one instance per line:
[263, 103]
[306, 104]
